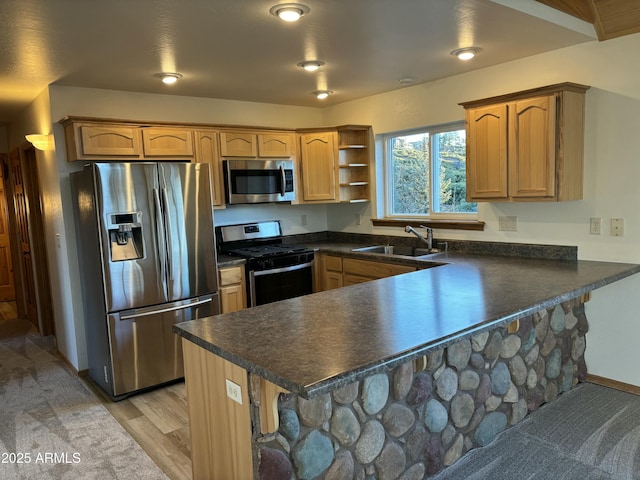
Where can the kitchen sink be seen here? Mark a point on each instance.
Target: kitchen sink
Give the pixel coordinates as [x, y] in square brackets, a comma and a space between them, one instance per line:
[402, 250]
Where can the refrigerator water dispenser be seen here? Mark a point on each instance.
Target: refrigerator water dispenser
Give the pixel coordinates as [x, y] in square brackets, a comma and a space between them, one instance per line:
[125, 236]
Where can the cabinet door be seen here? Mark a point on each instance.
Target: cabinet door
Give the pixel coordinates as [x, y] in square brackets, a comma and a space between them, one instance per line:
[318, 160]
[532, 143]
[167, 142]
[207, 152]
[487, 152]
[109, 140]
[241, 144]
[275, 145]
[233, 295]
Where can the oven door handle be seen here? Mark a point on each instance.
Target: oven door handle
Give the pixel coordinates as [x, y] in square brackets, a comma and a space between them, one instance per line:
[281, 270]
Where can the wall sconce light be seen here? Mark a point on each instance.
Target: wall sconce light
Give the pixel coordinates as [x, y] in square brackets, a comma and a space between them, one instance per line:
[322, 94]
[41, 142]
[169, 78]
[289, 12]
[311, 65]
[465, 53]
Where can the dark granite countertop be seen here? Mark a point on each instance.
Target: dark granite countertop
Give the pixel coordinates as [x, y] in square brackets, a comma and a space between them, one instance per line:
[314, 344]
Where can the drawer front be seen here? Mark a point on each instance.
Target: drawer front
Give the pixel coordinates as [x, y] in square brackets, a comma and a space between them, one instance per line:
[374, 269]
[333, 263]
[230, 276]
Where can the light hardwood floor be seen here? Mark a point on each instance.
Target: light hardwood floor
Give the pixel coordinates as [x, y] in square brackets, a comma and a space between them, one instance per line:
[158, 421]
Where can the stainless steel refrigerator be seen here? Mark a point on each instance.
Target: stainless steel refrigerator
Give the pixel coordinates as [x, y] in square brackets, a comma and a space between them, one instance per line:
[148, 260]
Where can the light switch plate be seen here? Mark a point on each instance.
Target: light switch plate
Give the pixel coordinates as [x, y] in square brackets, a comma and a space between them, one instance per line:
[617, 227]
[234, 391]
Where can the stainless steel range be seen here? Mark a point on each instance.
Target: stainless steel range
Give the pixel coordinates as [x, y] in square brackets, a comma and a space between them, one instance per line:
[275, 271]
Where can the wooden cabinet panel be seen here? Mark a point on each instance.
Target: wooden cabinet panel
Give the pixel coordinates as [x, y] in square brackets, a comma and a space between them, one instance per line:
[104, 140]
[337, 272]
[527, 146]
[487, 147]
[532, 147]
[233, 296]
[276, 145]
[219, 427]
[318, 166]
[206, 143]
[167, 142]
[238, 144]
[373, 270]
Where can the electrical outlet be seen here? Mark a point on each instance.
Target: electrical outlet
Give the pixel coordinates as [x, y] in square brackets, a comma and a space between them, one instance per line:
[617, 227]
[303, 220]
[358, 219]
[234, 391]
[595, 226]
[508, 224]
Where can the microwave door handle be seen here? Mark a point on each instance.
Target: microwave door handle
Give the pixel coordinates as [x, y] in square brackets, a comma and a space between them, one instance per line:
[283, 179]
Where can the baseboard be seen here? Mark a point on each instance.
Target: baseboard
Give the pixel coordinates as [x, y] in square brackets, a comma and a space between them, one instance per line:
[616, 385]
[66, 361]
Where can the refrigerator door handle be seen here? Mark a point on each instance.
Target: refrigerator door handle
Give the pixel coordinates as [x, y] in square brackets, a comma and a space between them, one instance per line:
[167, 226]
[160, 232]
[168, 309]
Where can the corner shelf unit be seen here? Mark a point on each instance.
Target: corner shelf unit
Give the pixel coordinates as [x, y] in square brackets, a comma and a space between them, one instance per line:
[354, 159]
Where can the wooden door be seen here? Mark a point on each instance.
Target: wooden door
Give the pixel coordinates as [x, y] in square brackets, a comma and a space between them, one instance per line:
[487, 152]
[532, 147]
[318, 158]
[7, 283]
[27, 305]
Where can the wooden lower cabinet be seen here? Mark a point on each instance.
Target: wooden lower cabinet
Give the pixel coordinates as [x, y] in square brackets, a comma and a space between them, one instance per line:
[336, 272]
[233, 294]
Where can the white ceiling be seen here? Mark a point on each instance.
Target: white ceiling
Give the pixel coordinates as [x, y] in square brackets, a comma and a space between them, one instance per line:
[235, 49]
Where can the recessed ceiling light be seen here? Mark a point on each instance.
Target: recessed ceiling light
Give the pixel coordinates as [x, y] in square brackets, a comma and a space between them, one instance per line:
[311, 65]
[169, 78]
[406, 80]
[322, 94]
[289, 12]
[465, 53]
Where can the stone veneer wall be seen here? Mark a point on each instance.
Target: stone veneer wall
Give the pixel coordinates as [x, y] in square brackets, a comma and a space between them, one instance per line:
[408, 425]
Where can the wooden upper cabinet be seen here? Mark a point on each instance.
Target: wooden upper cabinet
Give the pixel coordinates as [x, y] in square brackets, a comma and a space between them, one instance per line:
[167, 142]
[97, 140]
[276, 144]
[532, 147]
[318, 158]
[487, 146]
[526, 146]
[206, 146]
[86, 141]
[238, 144]
[257, 144]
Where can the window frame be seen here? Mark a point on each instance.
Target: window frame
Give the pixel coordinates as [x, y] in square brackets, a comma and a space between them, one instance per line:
[388, 176]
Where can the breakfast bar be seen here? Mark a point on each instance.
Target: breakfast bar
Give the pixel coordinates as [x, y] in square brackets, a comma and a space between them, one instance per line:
[398, 376]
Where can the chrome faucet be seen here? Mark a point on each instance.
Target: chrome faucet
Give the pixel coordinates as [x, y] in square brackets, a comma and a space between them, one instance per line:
[428, 240]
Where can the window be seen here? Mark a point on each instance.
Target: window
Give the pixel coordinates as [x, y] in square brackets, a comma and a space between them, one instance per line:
[426, 173]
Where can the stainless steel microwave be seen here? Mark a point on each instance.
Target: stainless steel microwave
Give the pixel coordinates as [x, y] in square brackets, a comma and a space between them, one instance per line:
[259, 181]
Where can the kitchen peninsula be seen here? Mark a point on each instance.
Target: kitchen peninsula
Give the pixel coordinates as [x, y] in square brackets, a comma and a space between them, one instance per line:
[398, 376]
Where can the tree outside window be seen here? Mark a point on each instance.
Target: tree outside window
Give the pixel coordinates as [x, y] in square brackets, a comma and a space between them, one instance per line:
[427, 173]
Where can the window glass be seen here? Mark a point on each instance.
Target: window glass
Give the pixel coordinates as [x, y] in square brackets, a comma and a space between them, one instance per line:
[427, 172]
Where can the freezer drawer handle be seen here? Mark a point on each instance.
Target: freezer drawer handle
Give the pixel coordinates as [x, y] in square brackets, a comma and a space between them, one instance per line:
[164, 310]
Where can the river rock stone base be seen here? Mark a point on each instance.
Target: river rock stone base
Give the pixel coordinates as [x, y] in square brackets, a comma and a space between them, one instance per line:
[411, 422]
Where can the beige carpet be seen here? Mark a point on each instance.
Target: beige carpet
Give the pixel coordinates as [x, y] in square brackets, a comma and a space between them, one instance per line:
[53, 427]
